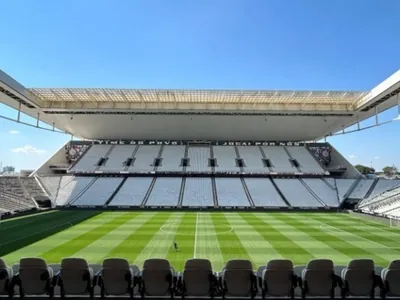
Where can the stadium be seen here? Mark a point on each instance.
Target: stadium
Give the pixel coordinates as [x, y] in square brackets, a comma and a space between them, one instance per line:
[202, 193]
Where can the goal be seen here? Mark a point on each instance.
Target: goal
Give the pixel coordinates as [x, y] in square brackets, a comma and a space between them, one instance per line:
[394, 221]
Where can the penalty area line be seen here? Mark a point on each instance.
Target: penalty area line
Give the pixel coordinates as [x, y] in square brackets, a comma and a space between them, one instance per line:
[332, 229]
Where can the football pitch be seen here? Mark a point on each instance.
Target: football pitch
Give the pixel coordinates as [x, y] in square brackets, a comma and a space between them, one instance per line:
[218, 236]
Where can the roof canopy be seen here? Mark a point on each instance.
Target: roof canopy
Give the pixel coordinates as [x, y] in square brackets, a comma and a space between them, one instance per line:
[196, 96]
[96, 113]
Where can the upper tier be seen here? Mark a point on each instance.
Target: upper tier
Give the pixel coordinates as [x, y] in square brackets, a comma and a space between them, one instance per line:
[194, 158]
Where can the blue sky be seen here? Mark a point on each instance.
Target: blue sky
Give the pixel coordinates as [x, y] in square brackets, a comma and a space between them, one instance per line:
[232, 44]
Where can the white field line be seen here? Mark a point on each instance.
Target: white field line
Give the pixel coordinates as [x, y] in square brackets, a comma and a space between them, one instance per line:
[98, 249]
[394, 236]
[161, 241]
[355, 240]
[195, 236]
[331, 228]
[42, 231]
[372, 221]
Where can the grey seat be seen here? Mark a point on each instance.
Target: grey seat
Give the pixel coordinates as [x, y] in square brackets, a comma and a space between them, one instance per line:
[318, 278]
[35, 277]
[116, 278]
[278, 279]
[391, 280]
[198, 278]
[359, 278]
[238, 279]
[6, 276]
[75, 277]
[157, 278]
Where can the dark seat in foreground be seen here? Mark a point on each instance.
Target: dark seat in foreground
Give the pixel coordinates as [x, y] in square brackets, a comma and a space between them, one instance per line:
[318, 279]
[278, 278]
[391, 280]
[6, 276]
[198, 279]
[238, 279]
[75, 277]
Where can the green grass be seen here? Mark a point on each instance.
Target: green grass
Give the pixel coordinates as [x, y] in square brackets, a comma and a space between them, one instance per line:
[219, 237]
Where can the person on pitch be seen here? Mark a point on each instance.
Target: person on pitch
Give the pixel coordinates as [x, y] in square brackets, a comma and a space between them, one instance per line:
[176, 246]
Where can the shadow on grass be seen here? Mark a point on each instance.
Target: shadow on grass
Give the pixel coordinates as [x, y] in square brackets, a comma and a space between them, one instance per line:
[19, 233]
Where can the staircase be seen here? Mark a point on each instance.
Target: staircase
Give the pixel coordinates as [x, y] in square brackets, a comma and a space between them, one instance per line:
[115, 192]
[312, 192]
[280, 193]
[371, 189]
[246, 190]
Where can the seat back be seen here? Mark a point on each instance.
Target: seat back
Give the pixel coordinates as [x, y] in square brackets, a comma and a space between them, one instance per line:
[391, 278]
[278, 277]
[75, 276]
[318, 277]
[359, 277]
[237, 278]
[34, 276]
[198, 277]
[117, 276]
[6, 275]
[156, 277]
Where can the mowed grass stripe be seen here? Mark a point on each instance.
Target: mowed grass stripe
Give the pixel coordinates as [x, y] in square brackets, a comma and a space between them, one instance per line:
[305, 241]
[387, 238]
[41, 223]
[131, 247]
[345, 247]
[25, 220]
[41, 236]
[105, 223]
[379, 250]
[97, 250]
[280, 237]
[229, 243]
[207, 241]
[258, 248]
[185, 238]
[159, 245]
[374, 223]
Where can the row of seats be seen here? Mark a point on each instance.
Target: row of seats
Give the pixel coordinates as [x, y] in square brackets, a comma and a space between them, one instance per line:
[14, 195]
[387, 203]
[157, 278]
[253, 159]
[198, 192]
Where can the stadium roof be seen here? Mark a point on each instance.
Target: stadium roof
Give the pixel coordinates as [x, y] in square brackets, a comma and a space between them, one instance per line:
[197, 96]
[97, 113]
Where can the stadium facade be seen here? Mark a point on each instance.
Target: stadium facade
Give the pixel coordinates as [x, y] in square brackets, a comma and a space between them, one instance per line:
[197, 149]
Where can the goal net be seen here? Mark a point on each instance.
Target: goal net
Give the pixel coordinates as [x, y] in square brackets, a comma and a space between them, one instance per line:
[394, 222]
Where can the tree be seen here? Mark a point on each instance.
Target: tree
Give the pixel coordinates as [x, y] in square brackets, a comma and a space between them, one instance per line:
[390, 171]
[364, 169]
[8, 169]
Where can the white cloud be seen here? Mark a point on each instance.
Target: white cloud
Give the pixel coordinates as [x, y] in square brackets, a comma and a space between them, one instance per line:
[13, 132]
[28, 149]
[352, 156]
[377, 157]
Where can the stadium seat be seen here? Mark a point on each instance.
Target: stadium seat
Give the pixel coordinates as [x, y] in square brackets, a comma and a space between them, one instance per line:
[278, 279]
[34, 277]
[75, 277]
[391, 280]
[198, 278]
[6, 276]
[237, 279]
[359, 278]
[319, 279]
[157, 278]
[116, 278]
